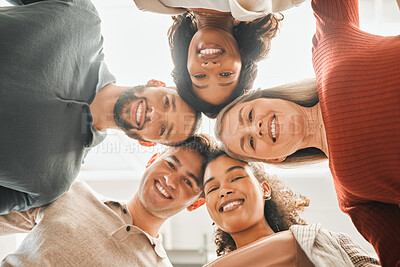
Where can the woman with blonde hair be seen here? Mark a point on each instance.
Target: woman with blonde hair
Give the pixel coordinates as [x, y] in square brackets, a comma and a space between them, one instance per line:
[355, 123]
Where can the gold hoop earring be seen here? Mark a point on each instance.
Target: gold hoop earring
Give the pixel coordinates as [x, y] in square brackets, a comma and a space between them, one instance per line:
[267, 197]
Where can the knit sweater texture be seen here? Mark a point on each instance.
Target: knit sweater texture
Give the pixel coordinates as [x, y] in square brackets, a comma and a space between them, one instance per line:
[358, 77]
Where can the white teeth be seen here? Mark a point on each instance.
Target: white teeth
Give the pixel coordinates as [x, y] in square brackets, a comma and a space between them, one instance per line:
[273, 128]
[231, 204]
[139, 113]
[162, 190]
[210, 51]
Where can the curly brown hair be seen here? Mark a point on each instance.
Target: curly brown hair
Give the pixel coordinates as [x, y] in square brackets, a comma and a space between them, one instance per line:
[254, 42]
[280, 212]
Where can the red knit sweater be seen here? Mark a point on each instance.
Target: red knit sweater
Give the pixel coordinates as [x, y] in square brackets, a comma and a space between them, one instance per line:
[358, 76]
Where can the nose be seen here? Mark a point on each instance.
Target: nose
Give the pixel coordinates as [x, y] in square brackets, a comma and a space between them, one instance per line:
[224, 192]
[153, 116]
[211, 64]
[171, 180]
[259, 129]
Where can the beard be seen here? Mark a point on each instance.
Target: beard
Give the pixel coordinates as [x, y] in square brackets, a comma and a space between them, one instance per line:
[127, 97]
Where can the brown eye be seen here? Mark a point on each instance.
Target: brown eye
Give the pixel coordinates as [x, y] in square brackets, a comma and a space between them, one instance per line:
[166, 103]
[199, 76]
[251, 142]
[162, 129]
[251, 116]
[226, 74]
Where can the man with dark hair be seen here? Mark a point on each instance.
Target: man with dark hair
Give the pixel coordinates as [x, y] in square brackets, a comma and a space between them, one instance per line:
[57, 95]
[79, 229]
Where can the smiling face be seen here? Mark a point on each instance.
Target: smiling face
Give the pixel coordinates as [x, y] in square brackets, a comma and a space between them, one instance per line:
[264, 128]
[172, 182]
[234, 197]
[155, 114]
[214, 64]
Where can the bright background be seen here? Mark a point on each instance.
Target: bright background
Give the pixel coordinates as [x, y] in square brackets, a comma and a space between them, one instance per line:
[136, 50]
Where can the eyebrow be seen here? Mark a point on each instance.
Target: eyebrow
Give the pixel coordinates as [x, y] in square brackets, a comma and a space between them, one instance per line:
[227, 171]
[195, 178]
[174, 158]
[240, 116]
[226, 84]
[191, 175]
[233, 168]
[209, 180]
[242, 143]
[200, 87]
[169, 131]
[173, 99]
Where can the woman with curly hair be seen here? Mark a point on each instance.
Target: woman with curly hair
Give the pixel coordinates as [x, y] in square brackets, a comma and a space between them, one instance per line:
[215, 46]
[249, 206]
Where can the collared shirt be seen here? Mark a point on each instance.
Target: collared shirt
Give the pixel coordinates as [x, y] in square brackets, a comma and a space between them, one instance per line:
[79, 229]
[326, 248]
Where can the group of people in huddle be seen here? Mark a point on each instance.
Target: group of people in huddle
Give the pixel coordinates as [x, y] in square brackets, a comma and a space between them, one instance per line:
[57, 98]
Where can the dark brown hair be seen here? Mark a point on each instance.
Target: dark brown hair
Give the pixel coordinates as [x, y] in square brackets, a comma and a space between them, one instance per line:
[253, 39]
[280, 212]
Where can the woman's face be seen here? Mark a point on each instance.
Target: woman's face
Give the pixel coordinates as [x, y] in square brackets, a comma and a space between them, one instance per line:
[234, 197]
[214, 64]
[264, 128]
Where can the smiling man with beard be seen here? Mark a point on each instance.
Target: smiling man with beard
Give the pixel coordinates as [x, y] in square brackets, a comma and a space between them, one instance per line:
[57, 95]
[79, 229]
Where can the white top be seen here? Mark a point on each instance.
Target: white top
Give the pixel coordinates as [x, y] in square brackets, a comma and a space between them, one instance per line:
[242, 10]
[219, 5]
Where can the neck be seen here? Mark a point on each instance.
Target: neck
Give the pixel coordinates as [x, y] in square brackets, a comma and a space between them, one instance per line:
[102, 107]
[252, 234]
[142, 218]
[211, 18]
[316, 129]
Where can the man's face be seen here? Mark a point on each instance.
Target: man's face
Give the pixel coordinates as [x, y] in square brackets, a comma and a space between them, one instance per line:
[156, 114]
[172, 182]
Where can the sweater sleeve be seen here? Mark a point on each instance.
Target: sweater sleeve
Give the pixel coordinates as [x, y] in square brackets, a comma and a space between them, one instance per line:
[19, 222]
[335, 11]
[379, 224]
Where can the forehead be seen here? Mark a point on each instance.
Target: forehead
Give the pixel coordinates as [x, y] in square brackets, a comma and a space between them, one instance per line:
[188, 157]
[157, 90]
[222, 166]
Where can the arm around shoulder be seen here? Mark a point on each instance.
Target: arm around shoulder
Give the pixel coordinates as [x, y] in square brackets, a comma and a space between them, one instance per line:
[19, 221]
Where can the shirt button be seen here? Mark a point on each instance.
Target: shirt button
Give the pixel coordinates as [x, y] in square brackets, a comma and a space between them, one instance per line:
[128, 228]
[124, 211]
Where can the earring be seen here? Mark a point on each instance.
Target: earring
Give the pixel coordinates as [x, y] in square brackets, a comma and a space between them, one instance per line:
[213, 223]
[267, 197]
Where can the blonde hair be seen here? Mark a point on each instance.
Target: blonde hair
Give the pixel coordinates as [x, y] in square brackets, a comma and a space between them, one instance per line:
[303, 93]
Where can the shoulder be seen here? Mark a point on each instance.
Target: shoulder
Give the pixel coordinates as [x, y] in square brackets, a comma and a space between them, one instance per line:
[248, 10]
[157, 7]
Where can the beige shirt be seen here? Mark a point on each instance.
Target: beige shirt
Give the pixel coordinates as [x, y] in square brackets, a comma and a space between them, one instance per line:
[78, 229]
[301, 245]
[242, 10]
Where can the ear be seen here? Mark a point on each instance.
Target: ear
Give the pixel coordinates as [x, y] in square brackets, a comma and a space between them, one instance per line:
[153, 158]
[266, 189]
[198, 203]
[147, 144]
[277, 160]
[156, 83]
